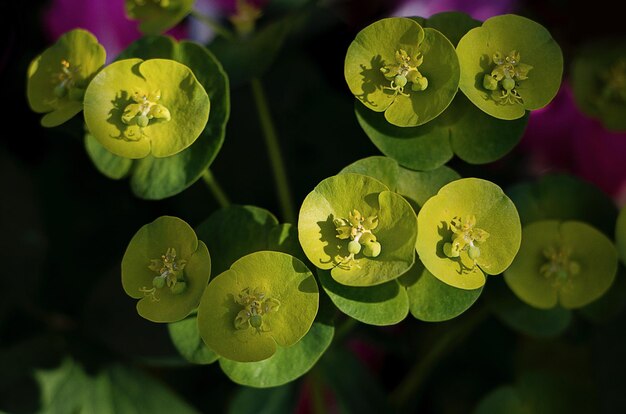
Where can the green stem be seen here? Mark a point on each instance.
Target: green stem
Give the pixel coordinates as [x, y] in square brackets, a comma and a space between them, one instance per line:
[215, 188]
[318, 406]
[213, 25]
[451, 337]
[342, 330]
[273, 149]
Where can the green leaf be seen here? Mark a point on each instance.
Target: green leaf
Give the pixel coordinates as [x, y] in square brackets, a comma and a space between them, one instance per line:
[148, 245]
[263, 401]
[431, 300]
[116, 389]
[585, 271]
[452, 24]
[384, 304]
[156, 16]
[562, 197]
[63, 389]
[504, 34]
[462, 129]
[337, 197]
[286, 364]
[538, 323]
[158, 178]
[125, 87]
[494, 213]
[620, 234]
[537, 393]
[375, 49]
[186, 338]
[265, 277]
[354, 387]
[109, 164]
[415, 186]
[235, 231]
[250, 57]
[503, 399]
[58, 77]
[595, 81]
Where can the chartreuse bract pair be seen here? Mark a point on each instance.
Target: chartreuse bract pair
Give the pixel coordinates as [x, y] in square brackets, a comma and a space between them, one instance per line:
[262, 301]
[567, 257]
[133, 107]
[409, 69]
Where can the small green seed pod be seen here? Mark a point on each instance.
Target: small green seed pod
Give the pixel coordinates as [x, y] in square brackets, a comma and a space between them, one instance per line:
[354, 247]
[158, 282]
[400, 81]
[372, 249]
[574, 268]
[420, 85]
[60, 90]
[179, 287]
[508, 84]
[448, 251]
[142, 121]
[256, 321]
[490, 83]
[473, 252]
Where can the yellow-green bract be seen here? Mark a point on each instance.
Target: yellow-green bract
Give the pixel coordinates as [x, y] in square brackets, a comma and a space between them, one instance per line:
[167, 268]
[397, 67]
[156, 16]
[350, 209]
[569, 263]
[509, 65]
[136, 108]
[266, 299]
[58, 77]
[469, 229]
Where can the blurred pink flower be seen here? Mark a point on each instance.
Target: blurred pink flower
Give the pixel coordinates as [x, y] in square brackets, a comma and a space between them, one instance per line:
[478, 9]
[561, 137]
[105, 19]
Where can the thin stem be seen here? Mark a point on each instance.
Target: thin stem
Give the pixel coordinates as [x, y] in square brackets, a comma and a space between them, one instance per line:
[316, 387]
[213, 25]
[451, 338]
[215, 188]
[273, 149]
[342, 330]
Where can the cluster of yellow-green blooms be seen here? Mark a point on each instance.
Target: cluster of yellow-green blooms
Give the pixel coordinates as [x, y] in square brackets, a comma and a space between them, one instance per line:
[615, 81]
[145, 108]
[404, 71]
[505, 77]
[466, 235]
[358, 229]
[170, 272]
[255, 304]
[559, 266]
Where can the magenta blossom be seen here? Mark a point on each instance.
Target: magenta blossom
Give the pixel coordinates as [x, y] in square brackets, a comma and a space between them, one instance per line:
[105, 19]
[478, 9]
[562, 138]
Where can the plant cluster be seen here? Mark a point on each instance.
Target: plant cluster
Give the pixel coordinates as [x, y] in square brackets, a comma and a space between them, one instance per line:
[384, 237]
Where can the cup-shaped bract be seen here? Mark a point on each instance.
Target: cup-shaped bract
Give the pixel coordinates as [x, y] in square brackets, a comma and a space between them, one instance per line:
[355, 227]
[509, 65]
[266, 299]
[156, 16]
[397, 67]
[599, 81]
[469, 229]
[58, 77]
[167, 268]
[568, 263]
[136, 108]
